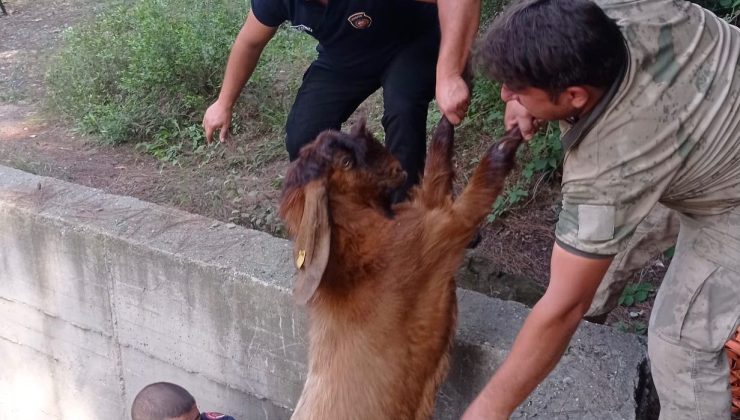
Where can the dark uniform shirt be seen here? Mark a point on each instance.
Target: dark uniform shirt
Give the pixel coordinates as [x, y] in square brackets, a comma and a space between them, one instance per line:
[352, 33]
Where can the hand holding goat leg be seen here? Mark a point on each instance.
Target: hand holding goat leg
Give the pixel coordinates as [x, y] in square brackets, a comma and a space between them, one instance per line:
[378, 281]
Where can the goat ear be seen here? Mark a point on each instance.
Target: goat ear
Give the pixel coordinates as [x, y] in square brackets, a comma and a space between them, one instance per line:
[312, 242]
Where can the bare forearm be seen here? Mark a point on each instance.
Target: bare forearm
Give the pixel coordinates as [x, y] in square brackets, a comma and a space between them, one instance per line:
[537, 349]
[245, 54]
[458, 21]
[544, 336]
[239, 69]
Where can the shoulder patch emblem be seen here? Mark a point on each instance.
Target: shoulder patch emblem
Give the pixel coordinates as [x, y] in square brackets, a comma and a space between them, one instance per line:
[360, 20]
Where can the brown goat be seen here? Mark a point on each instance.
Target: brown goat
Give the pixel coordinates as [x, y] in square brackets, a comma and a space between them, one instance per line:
[379, 281]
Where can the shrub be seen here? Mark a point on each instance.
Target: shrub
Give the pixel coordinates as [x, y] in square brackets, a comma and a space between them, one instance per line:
[143, 68]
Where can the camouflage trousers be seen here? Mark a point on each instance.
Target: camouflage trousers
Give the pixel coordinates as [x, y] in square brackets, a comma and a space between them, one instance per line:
[695, 312]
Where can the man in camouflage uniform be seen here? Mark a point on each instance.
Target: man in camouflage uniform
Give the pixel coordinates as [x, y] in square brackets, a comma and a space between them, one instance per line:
[648, 95]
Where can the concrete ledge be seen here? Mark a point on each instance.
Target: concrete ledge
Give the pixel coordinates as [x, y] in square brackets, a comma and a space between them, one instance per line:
[101, 294]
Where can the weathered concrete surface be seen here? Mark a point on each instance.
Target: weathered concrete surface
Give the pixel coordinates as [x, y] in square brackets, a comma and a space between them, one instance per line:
[100, 295]
[479, 273]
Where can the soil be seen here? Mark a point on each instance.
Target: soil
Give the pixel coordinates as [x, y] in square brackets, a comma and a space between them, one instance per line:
[33, 140]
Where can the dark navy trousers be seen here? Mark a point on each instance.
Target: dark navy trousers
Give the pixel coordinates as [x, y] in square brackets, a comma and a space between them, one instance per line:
[329, 94]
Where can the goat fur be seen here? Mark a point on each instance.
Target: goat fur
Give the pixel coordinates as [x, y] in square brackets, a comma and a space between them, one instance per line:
[378, 280]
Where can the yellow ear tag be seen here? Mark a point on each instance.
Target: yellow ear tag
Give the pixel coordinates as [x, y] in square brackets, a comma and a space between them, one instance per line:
[301, 258]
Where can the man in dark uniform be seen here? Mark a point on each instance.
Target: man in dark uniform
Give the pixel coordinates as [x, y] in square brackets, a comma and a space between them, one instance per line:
[363, 45]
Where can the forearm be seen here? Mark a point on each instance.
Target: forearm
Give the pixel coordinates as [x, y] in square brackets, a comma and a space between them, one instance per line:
[544, 336]
[458, 20]
[245, 54]
[536, 351]
[239, 69]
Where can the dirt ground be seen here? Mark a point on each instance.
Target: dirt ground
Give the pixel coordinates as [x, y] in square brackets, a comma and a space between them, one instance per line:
[34, 141]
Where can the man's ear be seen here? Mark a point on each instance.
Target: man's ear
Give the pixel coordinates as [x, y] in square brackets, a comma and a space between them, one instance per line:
[577, 96]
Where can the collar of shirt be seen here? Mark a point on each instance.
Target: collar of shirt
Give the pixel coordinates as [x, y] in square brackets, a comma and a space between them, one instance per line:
[579, 127]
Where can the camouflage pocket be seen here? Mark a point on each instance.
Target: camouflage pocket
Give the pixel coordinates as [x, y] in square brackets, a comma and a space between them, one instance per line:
[699, 301]
[722, 290]
[719, 247]
[713, 312]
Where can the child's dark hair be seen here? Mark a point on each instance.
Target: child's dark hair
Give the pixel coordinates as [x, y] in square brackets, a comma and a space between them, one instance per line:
[160, 401]
[551, 45]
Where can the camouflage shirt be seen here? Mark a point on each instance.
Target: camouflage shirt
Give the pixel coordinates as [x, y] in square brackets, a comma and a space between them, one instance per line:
[668, 130]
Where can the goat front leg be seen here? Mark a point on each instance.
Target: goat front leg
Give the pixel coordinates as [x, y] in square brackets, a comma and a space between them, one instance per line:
[478, 197]
[438, 172]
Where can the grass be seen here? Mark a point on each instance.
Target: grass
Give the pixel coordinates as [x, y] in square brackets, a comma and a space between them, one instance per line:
[145, 74]
[142, 69]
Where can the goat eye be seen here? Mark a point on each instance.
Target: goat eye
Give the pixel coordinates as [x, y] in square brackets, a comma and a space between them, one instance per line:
[346, 163]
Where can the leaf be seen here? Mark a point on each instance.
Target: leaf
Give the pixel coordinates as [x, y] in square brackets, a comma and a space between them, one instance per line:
[528, 172]
[647, 287]
[669, 252]
[629, 300]
[641, 296]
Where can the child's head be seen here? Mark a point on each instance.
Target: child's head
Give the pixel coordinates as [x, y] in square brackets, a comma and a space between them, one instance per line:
[164, 401]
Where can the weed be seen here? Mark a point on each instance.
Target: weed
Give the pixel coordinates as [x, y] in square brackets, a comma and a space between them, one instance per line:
[669, 252]
[137, 68]
[146, 71]
[728, 9]
[545, 156]
[635, 293]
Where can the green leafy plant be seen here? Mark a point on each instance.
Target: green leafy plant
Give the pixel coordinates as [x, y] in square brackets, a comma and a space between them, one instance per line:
[635, 293]
[727, 9]
[544, 159]
[510, 198]
[145, 72]
[547, 153]
[669, 252]
[137, 68]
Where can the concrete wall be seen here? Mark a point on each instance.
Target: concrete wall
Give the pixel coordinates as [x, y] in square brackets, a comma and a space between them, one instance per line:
[101, 294]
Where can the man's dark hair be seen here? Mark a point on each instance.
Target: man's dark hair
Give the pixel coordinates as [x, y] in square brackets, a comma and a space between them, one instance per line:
[160, 401]
[552, 45]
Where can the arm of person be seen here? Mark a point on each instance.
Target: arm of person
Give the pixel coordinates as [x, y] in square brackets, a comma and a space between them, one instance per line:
[458, 21]
[245, 54]
[544, 335]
